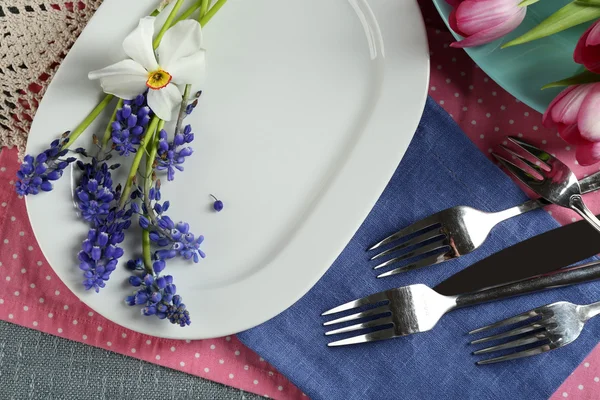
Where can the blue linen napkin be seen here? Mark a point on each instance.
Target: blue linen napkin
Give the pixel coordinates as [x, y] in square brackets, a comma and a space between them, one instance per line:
[441, 168]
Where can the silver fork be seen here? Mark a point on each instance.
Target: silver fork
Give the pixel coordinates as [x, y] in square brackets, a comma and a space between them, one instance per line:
[454, 232]
[552, 326]
[417, 308]
[556, 183]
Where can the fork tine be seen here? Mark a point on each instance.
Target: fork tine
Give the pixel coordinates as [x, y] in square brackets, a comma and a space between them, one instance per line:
[523, 176]
[415, 227]
[415, 253]
[534, 151]
[369, 313]
[372, 299]
[368, 337]
[508, 321]
[533, 338]
[533, 166]
[425, 262]
[412, 242]
[371, 324]
[514, 332]
[524, 160]
[520, 354]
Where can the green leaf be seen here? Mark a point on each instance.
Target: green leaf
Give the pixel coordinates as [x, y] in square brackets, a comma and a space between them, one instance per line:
[567, 17]
[525, 3]
[589, 3]
[584, 77]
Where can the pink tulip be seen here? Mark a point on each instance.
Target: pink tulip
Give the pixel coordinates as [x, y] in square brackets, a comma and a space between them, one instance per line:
[483, 21]
[587, 51]
[574, 112]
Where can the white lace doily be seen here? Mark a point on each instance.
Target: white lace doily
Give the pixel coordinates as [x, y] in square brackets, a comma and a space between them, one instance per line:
[34, 38]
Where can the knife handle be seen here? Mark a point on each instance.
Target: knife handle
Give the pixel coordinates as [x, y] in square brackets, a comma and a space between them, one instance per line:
[564, 277]
[590, 183]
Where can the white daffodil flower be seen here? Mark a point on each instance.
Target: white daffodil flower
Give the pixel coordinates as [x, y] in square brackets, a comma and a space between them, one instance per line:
[179, 60]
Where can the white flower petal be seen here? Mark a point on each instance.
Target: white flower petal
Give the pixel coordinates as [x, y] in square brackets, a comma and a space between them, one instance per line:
[190, 69]
[125, 79]
[163, 101]
[182, 40]
[138, 45]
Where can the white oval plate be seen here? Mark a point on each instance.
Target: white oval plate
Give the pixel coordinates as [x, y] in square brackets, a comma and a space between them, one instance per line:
[308, 109]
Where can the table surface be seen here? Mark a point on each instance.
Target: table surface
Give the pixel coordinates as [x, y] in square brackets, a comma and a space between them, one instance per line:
[34, 365]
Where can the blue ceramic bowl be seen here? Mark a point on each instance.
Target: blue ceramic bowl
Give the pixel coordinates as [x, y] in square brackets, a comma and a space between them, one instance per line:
[522, 70]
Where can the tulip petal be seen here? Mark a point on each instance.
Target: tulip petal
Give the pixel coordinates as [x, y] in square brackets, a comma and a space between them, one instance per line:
[587, 118]
[580, 47]
[588, 154]
[593, 37]
[492, 33]
[125, 79]
[475, 16]
[190, 69]
[567, 108]
[571, 135]
[454, 25]
[182, 40]
[546, 120]
[138, 44]
[164, 100]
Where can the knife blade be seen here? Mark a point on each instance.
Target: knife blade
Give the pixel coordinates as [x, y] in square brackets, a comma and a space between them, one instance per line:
[526, 259]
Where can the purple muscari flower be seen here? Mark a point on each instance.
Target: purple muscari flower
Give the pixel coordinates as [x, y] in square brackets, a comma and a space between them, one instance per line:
[173, 239]
[157, 295]
[37, 173]
[130, 124]
[193, 104]
[98, 258]
[95, 193]
[171, 155]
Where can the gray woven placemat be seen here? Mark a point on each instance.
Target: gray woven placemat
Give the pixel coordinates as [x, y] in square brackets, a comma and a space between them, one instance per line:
[35, 365]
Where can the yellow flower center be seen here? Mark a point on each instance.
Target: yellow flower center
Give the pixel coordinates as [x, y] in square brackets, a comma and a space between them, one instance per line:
[158, 79]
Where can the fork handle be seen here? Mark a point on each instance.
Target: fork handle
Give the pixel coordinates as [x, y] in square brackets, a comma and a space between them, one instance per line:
[588, 184]
[564, 277]
[579, 206]
[590, 310]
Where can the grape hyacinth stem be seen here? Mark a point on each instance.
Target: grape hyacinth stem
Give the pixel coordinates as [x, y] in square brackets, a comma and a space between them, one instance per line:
[108, 130]
[146, 253]
[182, 109]
[87, 121]
[148, 138]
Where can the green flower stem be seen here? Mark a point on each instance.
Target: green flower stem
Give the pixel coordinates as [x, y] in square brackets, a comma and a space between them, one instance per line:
[161, 6]
[168, 23]
[146, 254]
[211, 13]
[190, 10]
[138, 159]
[203, 9]
[87, 121]
[108, 130]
